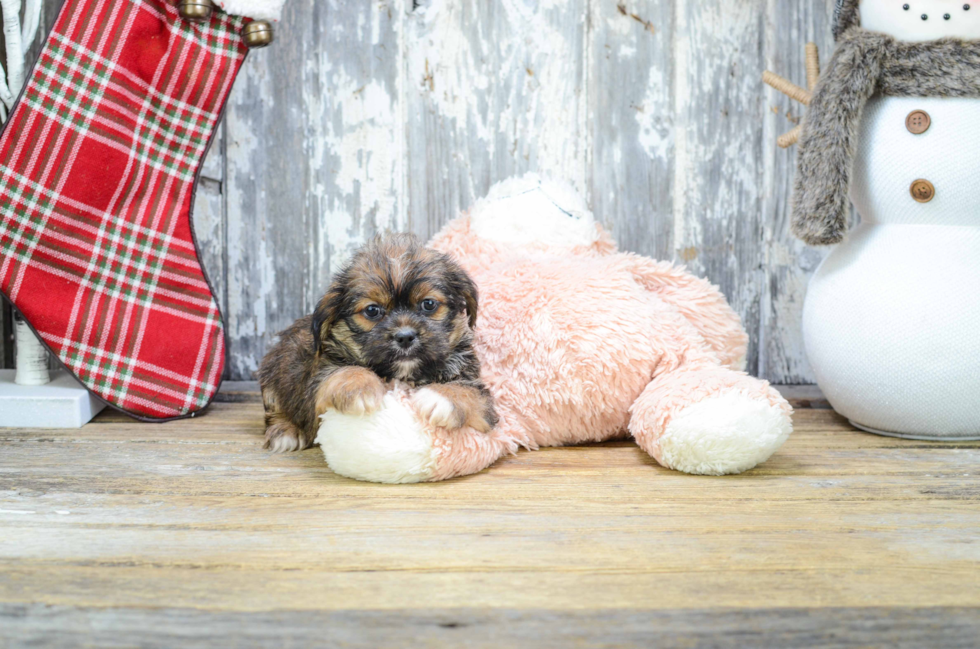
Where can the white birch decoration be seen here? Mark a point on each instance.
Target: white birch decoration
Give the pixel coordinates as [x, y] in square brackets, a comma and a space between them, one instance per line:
[31, 356]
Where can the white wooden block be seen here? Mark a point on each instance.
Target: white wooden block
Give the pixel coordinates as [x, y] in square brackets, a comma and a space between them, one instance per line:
[62, 403]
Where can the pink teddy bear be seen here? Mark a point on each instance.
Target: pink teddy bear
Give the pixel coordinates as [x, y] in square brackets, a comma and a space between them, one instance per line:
[579, 343]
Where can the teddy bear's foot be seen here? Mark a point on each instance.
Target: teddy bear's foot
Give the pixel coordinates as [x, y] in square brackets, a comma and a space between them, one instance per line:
[395, 445]
[724, 434]
[710, 421]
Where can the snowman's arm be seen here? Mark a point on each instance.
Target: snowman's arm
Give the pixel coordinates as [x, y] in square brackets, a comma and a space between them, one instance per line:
[829, 138]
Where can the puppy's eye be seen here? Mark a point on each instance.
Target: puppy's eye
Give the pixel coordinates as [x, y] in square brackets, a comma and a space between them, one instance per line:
[373, 312]
[429, 305]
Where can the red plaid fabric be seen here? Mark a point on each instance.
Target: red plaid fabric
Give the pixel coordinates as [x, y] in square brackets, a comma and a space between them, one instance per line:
[97, 170]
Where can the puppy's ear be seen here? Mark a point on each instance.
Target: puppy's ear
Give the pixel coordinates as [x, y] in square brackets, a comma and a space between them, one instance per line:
[472, 300]
[464, 286]
[326, 314]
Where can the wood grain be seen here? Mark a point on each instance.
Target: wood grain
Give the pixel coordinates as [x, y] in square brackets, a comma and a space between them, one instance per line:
[719, 153]
[899, 628]
[494, 88]
[314, 154]
[208, 218]
[789, 263]
[186, 529]
[631, 86]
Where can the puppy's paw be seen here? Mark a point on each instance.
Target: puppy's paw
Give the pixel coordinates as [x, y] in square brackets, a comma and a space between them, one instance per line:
[281, 436]
[354, 391]
[453, 406]
[361, 404]
[437, 409]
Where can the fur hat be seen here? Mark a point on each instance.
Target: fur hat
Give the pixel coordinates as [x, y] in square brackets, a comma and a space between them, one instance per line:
[846, 15]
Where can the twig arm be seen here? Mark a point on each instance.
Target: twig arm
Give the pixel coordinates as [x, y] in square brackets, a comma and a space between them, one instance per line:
[789, 139]
[812, 65]
[787, 87]
[795, 92]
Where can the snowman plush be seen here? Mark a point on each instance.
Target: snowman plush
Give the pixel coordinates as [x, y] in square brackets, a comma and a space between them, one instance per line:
[892, 316]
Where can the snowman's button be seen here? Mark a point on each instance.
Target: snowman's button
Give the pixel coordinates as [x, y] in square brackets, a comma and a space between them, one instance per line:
[918, 122]
[923, 191]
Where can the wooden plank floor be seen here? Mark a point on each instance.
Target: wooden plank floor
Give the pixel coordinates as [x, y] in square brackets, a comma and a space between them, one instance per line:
[160, 535]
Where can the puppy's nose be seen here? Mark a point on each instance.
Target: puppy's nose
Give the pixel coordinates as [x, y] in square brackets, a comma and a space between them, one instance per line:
[406, 337]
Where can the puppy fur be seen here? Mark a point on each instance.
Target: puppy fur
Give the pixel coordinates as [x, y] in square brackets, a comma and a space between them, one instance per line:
[397, 312]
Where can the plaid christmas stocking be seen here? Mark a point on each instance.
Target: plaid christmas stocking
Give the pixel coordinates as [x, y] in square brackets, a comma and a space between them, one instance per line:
[98, 164]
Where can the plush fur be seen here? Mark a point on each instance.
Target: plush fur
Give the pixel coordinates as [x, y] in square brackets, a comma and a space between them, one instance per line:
[395, 445]
[846, 15]
[254, 9]
[580, 343]
[865, 63]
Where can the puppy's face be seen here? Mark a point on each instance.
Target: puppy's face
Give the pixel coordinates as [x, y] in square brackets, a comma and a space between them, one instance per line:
[399, 309]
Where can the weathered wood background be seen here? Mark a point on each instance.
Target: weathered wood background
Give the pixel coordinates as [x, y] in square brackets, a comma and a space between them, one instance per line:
[189, 535]
[375, 114]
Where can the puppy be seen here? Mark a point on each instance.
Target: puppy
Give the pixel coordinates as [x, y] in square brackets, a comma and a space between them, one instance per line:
[397, 312]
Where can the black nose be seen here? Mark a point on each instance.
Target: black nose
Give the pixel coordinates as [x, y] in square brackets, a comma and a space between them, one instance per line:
[406, 337]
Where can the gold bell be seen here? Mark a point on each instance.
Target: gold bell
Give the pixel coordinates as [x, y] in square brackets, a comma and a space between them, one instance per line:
[257, 33]
[196, 11]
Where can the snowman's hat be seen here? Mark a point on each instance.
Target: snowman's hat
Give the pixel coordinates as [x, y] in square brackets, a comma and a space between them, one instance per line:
[846, 15]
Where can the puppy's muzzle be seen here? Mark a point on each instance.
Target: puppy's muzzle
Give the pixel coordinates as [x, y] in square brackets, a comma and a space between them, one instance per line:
[406, 338]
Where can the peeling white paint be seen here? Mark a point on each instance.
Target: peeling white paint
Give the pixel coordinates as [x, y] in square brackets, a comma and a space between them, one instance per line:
[359, 154]
[513, 98]
[656, 129]
[432, 105]
[240, 320]
[447, 64]
[552, 95]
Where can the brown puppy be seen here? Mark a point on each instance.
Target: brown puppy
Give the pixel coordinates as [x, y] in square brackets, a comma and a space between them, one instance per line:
[398, 311]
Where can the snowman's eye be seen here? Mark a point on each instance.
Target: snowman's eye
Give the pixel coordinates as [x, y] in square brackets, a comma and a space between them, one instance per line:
[906, 7]
[925, 17]
[947, 16]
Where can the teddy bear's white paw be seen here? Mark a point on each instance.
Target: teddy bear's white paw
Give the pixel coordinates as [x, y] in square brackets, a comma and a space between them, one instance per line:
[724, 434]
[436, 409]
[387, 446]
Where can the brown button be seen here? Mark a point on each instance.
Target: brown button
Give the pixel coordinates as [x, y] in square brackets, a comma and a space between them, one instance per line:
[918, 122]
[923, 191]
